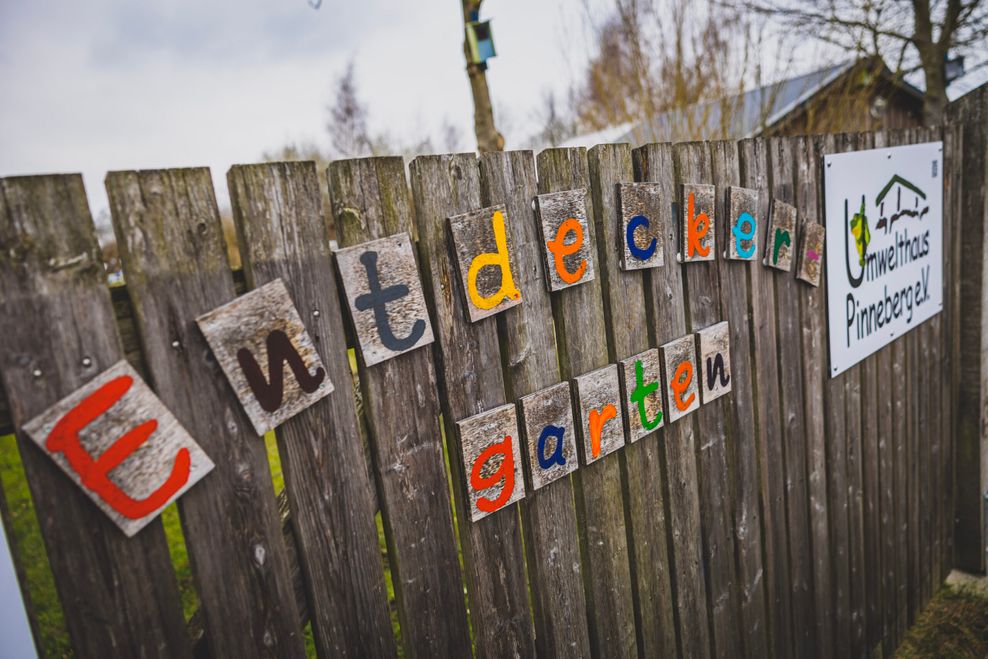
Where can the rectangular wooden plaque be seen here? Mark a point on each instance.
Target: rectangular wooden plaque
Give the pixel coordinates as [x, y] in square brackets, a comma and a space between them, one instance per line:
[743, 226]
[641, 246]
[697, 228]
[781, 235]
[266, 353]
[550, 434]
[482, 244]
[811, 253]
[681, 377]
[601, 419]
[384, 295]
[641, 391]
[714, 346]
[95, 436]
[566, 238]
[491, 460]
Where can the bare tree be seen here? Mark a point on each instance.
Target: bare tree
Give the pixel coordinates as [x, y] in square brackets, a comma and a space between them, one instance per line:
[347, 124]
[488, 138]
[918, 35]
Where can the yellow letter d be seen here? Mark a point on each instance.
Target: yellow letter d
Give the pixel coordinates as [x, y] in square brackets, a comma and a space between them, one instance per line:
[498, 259]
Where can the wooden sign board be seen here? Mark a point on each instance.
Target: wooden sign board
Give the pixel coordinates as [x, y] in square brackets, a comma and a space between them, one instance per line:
[491, 460]
[256, 339]
[565, 238]
[641, 391]
[116, 440]
[811, 253]
[601, 422]
[697, 227]
[743, 226]
[550, 434]
[384, 295]
[681, 377]
[641, 235]
[485, 259]
[714, 346]
[781, 234]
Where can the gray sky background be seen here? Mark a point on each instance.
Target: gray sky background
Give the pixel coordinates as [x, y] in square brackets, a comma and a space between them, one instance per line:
[126, 84]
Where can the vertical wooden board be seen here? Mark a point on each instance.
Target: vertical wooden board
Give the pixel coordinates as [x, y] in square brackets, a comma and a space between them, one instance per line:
[549, 433]
[277, 208]
[781, 238]
[566, 238]
[697, 224]
[485, 258]
[468, 359]
[680, 375]
[666, 320]
[581, 338]
[253, 339]
[174, 260]
[83, 429]
[789, 353]
[597, 397]
[528, 358]
[640, 234]
[641, 394]
[743, 225]
[809, 181]
[713, 346]
[491, 450]
[623, 297]
[401, 403]
[755, 175]
[384, 297]
[118, 594]
[872, 524]
[809, 268]
[742, 452]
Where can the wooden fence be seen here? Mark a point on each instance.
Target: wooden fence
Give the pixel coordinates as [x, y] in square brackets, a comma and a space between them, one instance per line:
[798, 516]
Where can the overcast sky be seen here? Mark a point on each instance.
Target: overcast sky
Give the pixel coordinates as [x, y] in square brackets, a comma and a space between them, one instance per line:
[127, 84]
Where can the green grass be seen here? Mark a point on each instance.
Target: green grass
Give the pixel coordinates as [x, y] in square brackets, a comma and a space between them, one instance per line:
[954, 624]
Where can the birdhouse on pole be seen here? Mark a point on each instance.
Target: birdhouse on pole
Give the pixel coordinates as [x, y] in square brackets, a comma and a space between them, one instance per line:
[480, 42]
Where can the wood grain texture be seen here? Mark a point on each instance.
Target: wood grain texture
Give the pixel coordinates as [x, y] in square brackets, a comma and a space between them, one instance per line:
[529, 363]
[744, 227]
[641, 371]
[713, 349]
[496, 428]
[277, 208]
[402, 324]
[641, 201]
[665, 312]
[247, 323]
[597, 400]
[168, 230]
[168, 452]
[625, 308]
[769, 438]
[552, 406]
[581, 339]
[809, 266]
[780, 242]
[574, 263]
[370, 201]
[742, 453]
[475, 235]
[698, 236]
[471, 381]
[118, 594]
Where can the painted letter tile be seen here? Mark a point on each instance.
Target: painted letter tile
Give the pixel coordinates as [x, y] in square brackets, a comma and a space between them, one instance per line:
[599, 410]
[714, 344]
[485, 259]
[545, 415]
[640, 208]
[491, 450]
[566, 238]
[681, 376]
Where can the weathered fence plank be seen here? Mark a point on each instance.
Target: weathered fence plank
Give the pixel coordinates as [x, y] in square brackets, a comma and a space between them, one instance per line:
[582, 342]
[278, 211]
[623, 296]
[118, 594]
[174, 260]
[528, 357]
[370, 201]
[667, 321]
[468, 361]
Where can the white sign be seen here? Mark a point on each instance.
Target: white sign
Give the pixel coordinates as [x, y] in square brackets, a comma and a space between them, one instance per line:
[884, 250]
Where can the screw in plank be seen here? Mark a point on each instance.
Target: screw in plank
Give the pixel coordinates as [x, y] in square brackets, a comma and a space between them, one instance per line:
[36, 373]
[176, 345]
[87, 362]
[315, 314]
